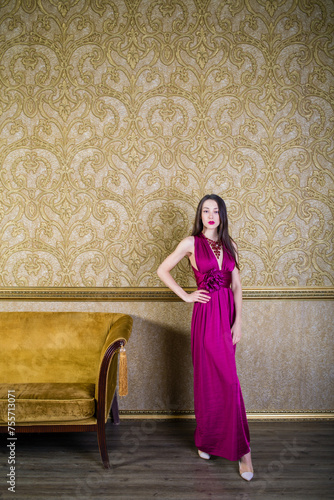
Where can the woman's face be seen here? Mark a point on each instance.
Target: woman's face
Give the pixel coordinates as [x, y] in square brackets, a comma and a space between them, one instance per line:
[210, 214]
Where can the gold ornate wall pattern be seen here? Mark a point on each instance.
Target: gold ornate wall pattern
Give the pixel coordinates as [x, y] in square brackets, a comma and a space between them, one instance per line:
[117, 116]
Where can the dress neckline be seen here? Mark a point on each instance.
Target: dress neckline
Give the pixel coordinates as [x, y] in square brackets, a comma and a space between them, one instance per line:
[206, 240]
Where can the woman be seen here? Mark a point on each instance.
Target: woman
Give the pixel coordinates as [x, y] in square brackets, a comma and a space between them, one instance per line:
[222, 427]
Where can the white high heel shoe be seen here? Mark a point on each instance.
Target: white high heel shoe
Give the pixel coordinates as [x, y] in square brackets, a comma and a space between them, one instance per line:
[247, 476]
[204, 455]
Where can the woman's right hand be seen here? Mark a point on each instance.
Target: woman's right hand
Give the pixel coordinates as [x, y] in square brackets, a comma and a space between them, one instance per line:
[202, 296]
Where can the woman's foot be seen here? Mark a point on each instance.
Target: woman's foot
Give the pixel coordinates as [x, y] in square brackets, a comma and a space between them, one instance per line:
[246, 467]
[204, 455]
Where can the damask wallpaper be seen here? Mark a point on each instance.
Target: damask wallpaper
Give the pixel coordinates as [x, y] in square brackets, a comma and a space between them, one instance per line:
[117, 116]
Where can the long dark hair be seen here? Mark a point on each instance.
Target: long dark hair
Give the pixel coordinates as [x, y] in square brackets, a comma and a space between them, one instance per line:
[222, 229]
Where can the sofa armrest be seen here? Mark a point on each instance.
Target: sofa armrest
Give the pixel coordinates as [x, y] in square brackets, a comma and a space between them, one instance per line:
[106, 382]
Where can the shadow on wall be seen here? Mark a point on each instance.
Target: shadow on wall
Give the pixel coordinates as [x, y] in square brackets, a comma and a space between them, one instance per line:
[159, 367]
[284, 358]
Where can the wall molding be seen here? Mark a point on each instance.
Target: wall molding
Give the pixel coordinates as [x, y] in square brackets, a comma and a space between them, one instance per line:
[142, 294]
[253, 416]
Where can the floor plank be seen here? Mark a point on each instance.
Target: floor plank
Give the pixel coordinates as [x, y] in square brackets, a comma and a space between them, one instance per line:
[157, 459]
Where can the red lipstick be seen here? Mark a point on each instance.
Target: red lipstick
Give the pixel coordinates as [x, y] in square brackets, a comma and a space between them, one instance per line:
[211, 222]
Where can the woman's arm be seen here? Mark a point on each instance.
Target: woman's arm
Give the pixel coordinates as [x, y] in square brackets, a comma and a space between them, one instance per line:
[237, 294]
[185, 247]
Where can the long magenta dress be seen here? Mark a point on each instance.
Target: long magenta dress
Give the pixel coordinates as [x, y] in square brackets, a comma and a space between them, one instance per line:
[222, 427]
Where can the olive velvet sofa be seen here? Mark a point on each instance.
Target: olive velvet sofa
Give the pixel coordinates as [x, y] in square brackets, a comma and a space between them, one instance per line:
[59, 370]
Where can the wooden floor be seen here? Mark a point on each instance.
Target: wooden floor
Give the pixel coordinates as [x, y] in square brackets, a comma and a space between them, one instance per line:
[156, 459]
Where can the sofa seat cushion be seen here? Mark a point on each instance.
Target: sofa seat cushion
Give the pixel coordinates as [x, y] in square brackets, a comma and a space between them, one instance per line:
[52, 402]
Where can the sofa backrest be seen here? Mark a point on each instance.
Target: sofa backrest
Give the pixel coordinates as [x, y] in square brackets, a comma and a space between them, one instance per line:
[52, 346]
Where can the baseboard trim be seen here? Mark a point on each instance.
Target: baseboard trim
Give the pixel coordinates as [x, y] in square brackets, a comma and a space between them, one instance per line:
[254, 416]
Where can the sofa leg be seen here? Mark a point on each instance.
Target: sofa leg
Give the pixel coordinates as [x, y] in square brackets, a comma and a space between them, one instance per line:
[101, 439]
[114, 410]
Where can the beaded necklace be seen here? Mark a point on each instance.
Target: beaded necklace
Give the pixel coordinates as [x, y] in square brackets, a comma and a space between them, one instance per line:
[216, 246]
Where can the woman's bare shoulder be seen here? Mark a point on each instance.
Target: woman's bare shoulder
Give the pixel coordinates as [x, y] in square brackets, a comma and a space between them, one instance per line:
[187, 244]
[189, 239]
